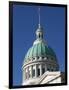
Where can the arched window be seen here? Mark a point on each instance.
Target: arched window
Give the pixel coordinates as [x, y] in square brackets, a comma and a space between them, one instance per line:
[37, 57]
[47, 57]
[38, 70]
[39, 35]
[52, 69]
[48, 68]
[43, 68]
[42, 57]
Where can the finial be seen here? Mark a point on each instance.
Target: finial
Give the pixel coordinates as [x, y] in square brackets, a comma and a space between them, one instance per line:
[39, 32]
[39, 15]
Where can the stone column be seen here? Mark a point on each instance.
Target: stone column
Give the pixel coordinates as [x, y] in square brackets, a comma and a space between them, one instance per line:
[31, 71]
[40, 69]
[27, 72]
[36, 70]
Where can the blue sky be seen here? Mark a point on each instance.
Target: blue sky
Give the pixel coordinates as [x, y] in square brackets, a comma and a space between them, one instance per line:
[25, 23]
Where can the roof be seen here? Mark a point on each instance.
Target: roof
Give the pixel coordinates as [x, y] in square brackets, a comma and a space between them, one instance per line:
[39, 49]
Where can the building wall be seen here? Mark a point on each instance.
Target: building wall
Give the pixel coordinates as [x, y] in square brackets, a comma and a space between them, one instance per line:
[46, 78]
[52, 77]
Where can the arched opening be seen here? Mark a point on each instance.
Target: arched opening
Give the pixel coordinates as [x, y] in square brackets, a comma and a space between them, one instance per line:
[38, 70]
[43, 68]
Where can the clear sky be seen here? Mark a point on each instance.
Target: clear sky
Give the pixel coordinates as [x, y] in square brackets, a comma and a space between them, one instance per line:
[25, 23]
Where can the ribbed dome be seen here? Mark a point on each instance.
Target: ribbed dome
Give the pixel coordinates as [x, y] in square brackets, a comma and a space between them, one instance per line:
[38, 50]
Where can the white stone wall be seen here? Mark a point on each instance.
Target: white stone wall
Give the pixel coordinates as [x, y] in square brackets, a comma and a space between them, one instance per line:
[52, 77]
[57, 80]
[48, 63]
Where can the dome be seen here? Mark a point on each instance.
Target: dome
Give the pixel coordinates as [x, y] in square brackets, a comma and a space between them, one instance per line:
[39, 49]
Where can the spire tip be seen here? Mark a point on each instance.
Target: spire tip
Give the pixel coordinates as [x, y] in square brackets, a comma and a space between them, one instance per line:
[39, 15]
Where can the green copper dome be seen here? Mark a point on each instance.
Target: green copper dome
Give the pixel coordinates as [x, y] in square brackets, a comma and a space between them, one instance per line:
[39, 48]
